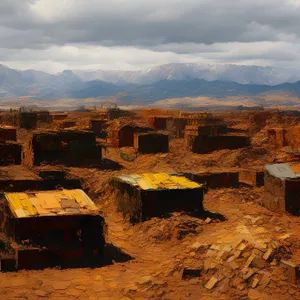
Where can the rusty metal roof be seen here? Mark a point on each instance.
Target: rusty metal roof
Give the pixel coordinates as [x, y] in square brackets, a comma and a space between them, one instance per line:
[50, 203]
[159, 181]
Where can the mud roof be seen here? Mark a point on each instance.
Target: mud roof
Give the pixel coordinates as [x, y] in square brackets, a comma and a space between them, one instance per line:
[281, 171]
[50, 204]
[159, 181]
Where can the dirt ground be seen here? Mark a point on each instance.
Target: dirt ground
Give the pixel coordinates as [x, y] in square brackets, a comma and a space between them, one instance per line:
[149, 258]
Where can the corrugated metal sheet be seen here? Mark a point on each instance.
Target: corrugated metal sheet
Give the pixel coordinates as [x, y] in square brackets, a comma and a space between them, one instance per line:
[155, 181]
[280, 171]
[50, 203]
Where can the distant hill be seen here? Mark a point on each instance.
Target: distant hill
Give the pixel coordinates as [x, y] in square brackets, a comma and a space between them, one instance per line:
[68, 84]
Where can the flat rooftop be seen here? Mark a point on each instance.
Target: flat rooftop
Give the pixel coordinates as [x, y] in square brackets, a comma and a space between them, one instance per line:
[159, 181]
[50, 203]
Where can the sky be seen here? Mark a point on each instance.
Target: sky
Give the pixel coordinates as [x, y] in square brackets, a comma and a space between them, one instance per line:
[54, 35]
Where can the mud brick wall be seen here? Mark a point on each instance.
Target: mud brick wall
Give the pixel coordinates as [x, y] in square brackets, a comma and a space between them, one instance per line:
[159, 123]
[66, 147]
[293, 138]
[176, 127]
[252, 177]
[10, 153]
[124, 136]
[8, 134]
[215, 180]
[97, 126]
[28, 120]
[44, 117]
[151, 143]
[274, 198]
[67, 124]
[292, 196]
[209, 144]
[277, 138]
[9, 118]
[139, 205]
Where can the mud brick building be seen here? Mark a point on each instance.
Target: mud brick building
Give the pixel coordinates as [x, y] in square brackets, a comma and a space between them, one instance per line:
[210, 143]
[122, 135]
[158, 122]
[69, 147]
[215, 179]
[10, 153]
[252, 177]
[276, 137]
[8, 133]
[21, 178]
[140, 197]
[59, 227]
[98, 127]
[176, 127]
[282, 189]
[28, 120]
[151, 142]
[44, 117]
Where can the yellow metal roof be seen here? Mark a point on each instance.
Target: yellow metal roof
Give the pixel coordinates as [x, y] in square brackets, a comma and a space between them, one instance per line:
[155, 181]
[50, 203]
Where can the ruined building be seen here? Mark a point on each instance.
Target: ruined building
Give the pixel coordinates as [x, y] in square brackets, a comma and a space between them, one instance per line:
[10, 153]
[140, 197]
[70, 147]
[192, 131]
[48, 229]
[122, 135]
[151, 142]
[209, 143]
[282, 189]
[98, 127]
[277, 137]
[176, 127]
[29, 120]
[21, 178]
[8, 133]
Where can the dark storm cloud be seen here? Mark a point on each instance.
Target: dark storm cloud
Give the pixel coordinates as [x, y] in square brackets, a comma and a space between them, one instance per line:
[176, 30]
[147, 23]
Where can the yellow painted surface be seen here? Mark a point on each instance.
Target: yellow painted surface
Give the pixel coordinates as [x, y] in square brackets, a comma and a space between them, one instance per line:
[50, 203]
[153, 181]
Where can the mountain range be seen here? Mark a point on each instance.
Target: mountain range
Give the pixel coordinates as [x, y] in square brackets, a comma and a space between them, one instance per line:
[150, 85]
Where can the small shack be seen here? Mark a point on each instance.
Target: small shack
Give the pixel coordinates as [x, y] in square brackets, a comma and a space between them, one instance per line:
[191, 131]
[282, 189]
[158, 122]
[122, 135]
[151, 142]
[28, 120]
[8, 133]
[59, 227]
[69, 147]
[140, 197]
[10, 153]
[98, 127]
[209, 143]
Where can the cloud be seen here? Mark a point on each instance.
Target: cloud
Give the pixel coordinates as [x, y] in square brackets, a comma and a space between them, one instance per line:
[136, 33]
